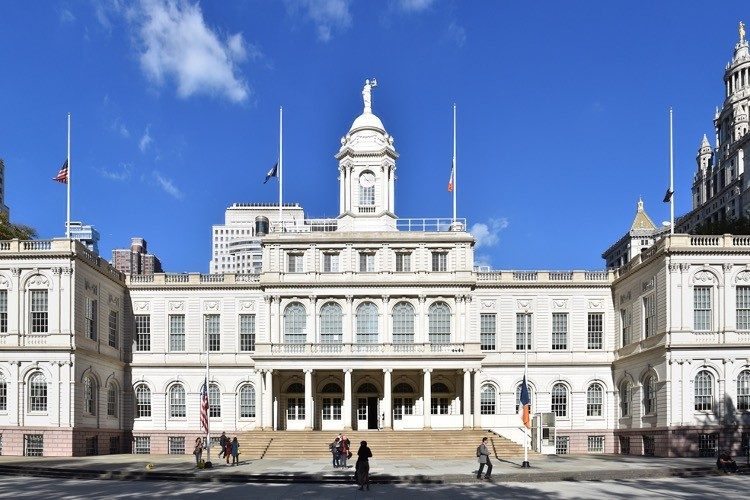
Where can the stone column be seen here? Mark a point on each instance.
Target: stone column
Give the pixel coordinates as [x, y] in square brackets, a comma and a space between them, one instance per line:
[348, 323]
[312, 336]
[278, 335]
[342, 180]
[426, 397]
[268, 400]
[308, 400]
[346, 410]
[387, 400]
[477, 384]
[466, 398]
[387, 338]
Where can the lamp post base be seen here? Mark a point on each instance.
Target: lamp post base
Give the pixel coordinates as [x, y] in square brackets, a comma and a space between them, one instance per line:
[525, 464]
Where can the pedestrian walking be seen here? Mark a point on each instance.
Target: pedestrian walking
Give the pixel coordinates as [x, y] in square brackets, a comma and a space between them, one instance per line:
[362, 469]
[198, 451]
[483, 455]
[228, 450]
[235, 451]
[223, 443]
[334, 448]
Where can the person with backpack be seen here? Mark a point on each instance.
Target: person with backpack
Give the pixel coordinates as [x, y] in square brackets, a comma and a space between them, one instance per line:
[198, 451]
[235, 446]
[222, 443]
[483, 456]
[334, 448]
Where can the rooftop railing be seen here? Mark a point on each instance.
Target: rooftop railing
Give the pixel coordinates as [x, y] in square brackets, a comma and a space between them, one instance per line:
[496, 276]
[179, 279]
[408, 225]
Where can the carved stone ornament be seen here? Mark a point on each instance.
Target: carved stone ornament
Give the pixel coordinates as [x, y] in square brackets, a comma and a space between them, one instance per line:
[247, 305]
[211, 305]
[38, 281]
[743, 277]
[674, 267]
[141, 306]
[523, 305]
[649, 285]
[91, 287]
[5, 283]
[176, 305]
[488, 304]
[685, 267]
[559, 303]
[596, 304]
[15, 271]
[114, 300]
[704, 277]
[727, 266]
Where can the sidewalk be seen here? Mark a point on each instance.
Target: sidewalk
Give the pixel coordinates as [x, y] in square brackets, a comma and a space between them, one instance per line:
[182, 467]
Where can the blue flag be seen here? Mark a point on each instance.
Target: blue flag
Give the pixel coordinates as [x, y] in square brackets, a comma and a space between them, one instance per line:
[274, 172]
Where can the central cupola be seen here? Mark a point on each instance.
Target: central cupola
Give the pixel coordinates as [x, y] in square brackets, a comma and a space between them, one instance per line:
[367, 167]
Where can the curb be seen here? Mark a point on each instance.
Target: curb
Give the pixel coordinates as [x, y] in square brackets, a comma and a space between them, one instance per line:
[516, 477]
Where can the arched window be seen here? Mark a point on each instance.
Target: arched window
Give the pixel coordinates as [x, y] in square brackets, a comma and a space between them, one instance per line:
[295, 401]
[743, 391]
[704, 391]
[113, 398]
[331, 389]
[518, 398]
[439, 316]
[367, 189]
[177, 402]
[3, 394]
[625, 394]
[560, 400]
[330, 323]
[331, 401]
[440, 388]
[487, 400]
[295, 388]
[649, 395]
[247, 401]
[294, 323]
[403, 388]
[214, 401]
[594, 399]
[367, 388]
[403, 323]
[89, 395]
[367, 323]
[403, 402]
[142, 400]
[37, 393]
[440, 401]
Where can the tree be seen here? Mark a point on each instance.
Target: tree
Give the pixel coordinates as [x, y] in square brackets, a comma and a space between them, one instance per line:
[726, 226]
[9, 231]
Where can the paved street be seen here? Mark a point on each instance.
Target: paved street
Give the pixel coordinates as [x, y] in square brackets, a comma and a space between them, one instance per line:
[706, 487]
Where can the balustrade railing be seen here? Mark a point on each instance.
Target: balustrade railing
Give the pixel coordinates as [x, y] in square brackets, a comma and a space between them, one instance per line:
[376, 348]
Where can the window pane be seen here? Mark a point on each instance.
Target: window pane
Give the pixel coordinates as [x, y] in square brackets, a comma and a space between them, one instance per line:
[294, 323]
[39, 318]
[247, 332]
[702, 308]
[403, 323]
[214, 401]
[559, 331]
[595, 330]
[559, 400]
[703, 391]
[331, 323]
[487, 331]
[523, 331]
[439, 323]
[177, 332]
[142, 332]
[594, 396]
[212, 331]
[367, 323]
[743, 307]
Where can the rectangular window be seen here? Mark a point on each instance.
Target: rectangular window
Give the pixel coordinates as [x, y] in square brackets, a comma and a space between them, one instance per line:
[294, 262]
[3, 311]
[440, 406]
[403, 262]
[114, 445]
[90, 313]
[562, 445]
[649, 446]
[624, 445]
[247, 332]
[92, 446]
[649, 316]
[523, 331]
[559, 331]
[702, 308]
[142, 332]
[366, 262]
[626, 320]
[38, 311]
[439, 261]
[743, 307]
[487, 330]
[707, 444]
[3, 396]
[114, 339]
[33, 445]
[331, 408]
[176, 332]
[211, 332]
[596, 330]
[142, 445]
[330, 262]
[596, 444]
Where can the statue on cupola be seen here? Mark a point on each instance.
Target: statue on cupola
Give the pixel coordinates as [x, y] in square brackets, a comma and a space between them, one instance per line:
[367, 94]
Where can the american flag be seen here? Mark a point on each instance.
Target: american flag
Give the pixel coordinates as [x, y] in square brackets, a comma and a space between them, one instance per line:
[62, 175]
[204, 405]
[451, 181]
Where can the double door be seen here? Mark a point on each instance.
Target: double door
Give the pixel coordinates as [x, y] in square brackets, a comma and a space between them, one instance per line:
[368, 412]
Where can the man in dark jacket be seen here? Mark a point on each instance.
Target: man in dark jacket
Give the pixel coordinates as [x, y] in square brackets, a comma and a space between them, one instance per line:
[483, 456]
[223, 444]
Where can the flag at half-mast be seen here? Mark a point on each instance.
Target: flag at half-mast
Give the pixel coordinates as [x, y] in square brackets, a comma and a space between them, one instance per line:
[525, 401]
[204, 405]
[274, 172]
[62, 175]
[452, 180]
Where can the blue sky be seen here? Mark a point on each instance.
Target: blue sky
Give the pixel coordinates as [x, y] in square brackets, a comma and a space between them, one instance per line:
[562, 108]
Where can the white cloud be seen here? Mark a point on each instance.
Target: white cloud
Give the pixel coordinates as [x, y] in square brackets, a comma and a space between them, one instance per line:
[327, 15]
[483, 260]
[119, 127]
[118, 174]
[457, 33]
[175, 43]
[146, 139]
[414, 5]
[66, 16]
[167, 185]
[488, 235]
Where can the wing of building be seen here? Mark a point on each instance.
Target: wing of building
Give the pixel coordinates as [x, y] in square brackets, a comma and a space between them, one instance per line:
[368, 321]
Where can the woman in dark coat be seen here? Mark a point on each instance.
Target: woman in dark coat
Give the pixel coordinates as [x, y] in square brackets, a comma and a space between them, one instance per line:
[363, 465]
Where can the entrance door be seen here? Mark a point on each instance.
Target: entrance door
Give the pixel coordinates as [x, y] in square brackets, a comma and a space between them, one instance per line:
[372, 412]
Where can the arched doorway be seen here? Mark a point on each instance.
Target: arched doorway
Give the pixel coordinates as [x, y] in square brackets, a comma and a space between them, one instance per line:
[368, 406]
[403, 404]
[331, 396]
[295, 406]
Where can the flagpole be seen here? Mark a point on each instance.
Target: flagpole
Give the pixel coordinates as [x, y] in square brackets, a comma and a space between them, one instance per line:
[67, 217]
[525, 463]
[454, 163]
[208, 427]
[281, 162]
[671, 175]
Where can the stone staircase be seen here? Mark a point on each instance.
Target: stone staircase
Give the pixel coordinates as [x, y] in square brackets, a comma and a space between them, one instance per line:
[391, 444]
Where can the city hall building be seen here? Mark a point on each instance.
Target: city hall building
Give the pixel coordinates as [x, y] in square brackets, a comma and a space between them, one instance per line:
[368, 321]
